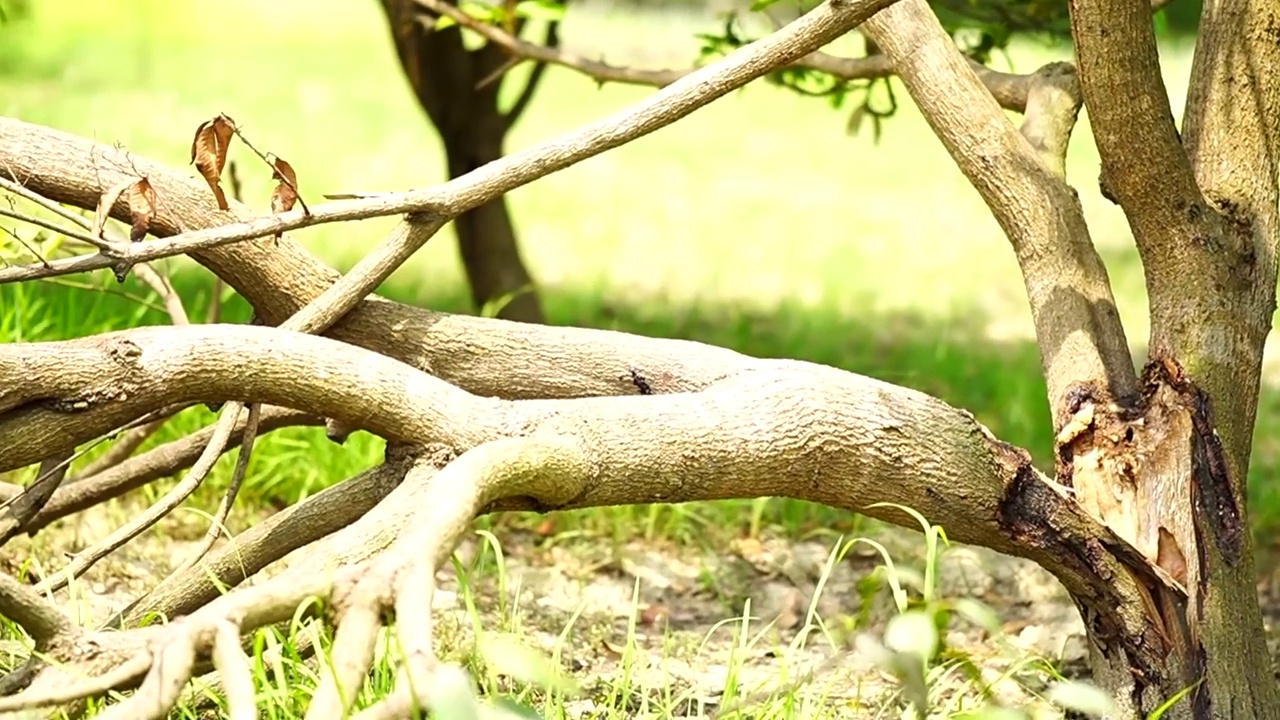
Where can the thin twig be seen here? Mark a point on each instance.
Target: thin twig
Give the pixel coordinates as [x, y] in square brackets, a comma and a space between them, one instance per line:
[848, 69]
[237, 479]
[120, 451]
[194, 477]
[512, 115]
[163, 288]
[498, 72]
[466, 192]
[158, 462]
[46, 224]
[236, 129]
[35, 253]
[65, 463]
[19, 189]
[107, 290]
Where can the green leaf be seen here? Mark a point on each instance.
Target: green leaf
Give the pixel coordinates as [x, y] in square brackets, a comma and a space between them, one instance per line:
[1167, 704]
[480, 11]
[453, 696]
[978, 613]
[995, 712]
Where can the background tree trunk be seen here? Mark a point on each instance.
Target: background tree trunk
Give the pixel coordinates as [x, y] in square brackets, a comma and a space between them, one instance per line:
[459, 88]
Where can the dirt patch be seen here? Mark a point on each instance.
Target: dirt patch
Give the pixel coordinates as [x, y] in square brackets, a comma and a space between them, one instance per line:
[663, 631]
[668, 623]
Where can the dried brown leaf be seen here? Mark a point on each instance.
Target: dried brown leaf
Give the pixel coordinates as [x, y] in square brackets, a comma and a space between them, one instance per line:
[142, 208]
[283, 198]
[285, 193]
[107, 201]
[283, 171]
[209, 153]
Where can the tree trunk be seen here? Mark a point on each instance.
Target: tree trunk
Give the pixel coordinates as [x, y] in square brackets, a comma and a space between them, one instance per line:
[458, 89]
[487, 240]
[1166, 587]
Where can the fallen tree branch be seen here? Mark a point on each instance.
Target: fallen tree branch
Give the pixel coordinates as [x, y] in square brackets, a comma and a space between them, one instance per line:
[552, 469]
[16, 512]
[826, 436]
[62, 694]
[37, 616]
[437, 205]
[215, 363]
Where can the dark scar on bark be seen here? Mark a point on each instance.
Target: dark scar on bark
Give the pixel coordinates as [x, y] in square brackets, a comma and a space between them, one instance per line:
[1211, 482]
[1064, 455]
[638, 380]
[1027, 513]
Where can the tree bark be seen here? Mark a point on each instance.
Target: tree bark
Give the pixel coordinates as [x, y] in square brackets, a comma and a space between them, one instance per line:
[1149, 459]
[458, 90]
[1203, 210]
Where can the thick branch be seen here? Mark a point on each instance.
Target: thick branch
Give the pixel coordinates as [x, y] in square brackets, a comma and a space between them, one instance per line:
[858, 433]
[1231, 130]
[485, 356]
[1077, 325]
[23, 605]
[1143, 164]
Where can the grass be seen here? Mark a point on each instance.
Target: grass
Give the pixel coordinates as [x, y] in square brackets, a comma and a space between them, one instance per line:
[756, 224]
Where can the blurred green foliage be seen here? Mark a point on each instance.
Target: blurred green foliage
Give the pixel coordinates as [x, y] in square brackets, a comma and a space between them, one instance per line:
[12, 10]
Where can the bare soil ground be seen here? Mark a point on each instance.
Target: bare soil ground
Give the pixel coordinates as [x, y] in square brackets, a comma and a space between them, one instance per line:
[665, 623]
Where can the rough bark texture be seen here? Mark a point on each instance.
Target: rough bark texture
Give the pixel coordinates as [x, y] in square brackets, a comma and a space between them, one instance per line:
[1168, 472]
[447, 78]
